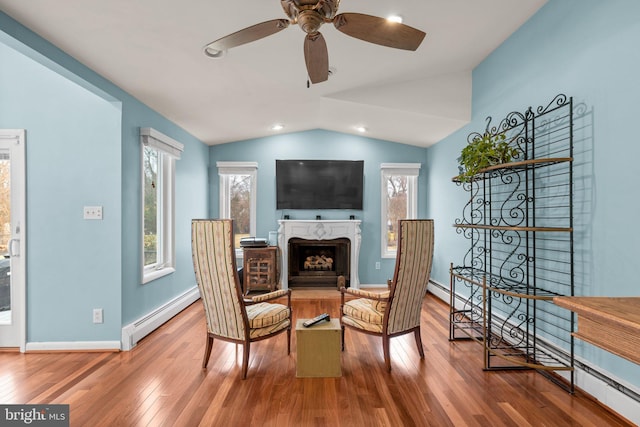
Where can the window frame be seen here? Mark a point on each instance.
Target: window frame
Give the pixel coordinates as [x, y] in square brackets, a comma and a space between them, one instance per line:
[412, 172]
[225, 169]
[169, 150]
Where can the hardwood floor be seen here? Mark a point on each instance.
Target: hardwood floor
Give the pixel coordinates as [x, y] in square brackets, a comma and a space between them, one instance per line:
[161, 382]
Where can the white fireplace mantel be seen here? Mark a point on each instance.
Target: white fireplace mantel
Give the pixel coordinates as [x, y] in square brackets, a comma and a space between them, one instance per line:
[319, 230]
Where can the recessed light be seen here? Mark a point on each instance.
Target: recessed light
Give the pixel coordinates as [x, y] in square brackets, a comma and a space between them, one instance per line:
[395, 18]
[277, 127]
[361, 129]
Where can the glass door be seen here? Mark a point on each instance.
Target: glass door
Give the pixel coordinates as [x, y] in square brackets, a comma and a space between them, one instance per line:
[12, 245]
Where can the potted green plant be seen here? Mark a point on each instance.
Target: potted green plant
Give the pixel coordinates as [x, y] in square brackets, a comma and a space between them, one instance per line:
[484, 151]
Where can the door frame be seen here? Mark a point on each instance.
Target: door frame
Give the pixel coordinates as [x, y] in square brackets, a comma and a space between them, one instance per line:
[19, 228]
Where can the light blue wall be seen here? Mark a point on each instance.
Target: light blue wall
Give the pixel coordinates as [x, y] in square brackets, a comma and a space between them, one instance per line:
[586, 49]
[83, 149]
[320, 144]
[191, 202]
[72, 263]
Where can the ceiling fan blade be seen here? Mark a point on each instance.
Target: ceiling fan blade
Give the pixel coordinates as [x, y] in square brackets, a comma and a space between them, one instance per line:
[316, 57]
[379, 30]
[246, 35]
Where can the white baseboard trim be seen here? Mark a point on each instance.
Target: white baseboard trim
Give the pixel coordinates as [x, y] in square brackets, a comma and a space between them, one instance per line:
[72, 346]
[438, 290]
[134, 332]
[607, 393]
[603, 387]
[364, 286]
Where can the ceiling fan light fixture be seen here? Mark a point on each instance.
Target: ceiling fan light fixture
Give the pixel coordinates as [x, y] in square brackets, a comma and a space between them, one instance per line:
[214, 53]
[310, 21]
[395, 18]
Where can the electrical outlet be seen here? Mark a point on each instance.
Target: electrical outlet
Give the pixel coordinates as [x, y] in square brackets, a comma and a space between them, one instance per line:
[378, 265]
[97, 315]
[92, 212]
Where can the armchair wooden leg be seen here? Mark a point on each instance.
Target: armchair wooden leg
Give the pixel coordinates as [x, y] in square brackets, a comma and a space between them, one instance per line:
[341, 314]
[290, 321]
[385, 350]
[207, 351]
[419, 342]
[245, 360]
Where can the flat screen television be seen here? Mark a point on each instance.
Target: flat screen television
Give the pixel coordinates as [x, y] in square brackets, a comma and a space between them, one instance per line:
[319, 184]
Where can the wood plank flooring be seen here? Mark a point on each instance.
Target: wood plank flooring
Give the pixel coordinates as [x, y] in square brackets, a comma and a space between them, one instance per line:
[161, 382]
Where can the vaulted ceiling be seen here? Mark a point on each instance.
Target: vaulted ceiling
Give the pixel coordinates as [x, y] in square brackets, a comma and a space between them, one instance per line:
[154, 50]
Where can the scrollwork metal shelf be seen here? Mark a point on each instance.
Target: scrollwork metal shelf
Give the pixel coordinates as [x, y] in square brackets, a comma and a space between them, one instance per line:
[519, 222]
[515, 228]
[514, 355]
[499, 284]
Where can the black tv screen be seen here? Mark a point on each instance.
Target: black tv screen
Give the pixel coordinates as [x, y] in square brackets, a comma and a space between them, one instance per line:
[319, 184]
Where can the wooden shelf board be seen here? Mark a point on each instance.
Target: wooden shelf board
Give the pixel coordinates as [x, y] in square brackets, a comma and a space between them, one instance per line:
[611, 323]
[518, 165]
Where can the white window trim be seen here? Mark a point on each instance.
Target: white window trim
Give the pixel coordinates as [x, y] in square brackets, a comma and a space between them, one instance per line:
[408, 169]
[171, 151]
[238, 168]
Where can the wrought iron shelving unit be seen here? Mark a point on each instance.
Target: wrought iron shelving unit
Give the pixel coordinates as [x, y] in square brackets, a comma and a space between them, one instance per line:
[519, 222]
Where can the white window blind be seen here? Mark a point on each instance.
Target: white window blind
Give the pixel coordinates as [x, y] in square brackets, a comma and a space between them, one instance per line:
[160, 141]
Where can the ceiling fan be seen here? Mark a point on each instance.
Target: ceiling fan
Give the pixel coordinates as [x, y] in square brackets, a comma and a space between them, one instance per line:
[310, 15]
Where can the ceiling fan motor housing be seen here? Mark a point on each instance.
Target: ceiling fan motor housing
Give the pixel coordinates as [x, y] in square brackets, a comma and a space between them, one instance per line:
[310, 14]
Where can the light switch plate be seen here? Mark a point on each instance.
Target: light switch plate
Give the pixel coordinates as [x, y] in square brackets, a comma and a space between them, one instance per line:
[93, 212]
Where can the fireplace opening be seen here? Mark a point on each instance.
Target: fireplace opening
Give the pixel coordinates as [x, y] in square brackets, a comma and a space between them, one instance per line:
[318, 263]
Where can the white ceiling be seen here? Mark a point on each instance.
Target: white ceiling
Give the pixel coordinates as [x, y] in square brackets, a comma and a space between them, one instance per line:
[153, 50]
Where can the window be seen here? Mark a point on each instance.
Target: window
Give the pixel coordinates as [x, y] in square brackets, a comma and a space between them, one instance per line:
[238, 197]
[399, 201]
[159, 153]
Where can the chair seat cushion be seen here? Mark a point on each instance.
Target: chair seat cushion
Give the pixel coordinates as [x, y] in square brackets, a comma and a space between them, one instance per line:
[261, 332]
[361, 314]
[265, 315]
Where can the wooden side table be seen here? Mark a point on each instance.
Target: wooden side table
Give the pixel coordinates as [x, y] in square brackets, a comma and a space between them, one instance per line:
[318, 349]
[260, 269]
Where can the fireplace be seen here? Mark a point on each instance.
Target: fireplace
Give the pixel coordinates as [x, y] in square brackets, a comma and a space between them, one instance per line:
[335, 239]
[318, 262]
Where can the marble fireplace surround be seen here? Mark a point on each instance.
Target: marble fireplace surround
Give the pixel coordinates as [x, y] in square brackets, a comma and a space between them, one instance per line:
[319, 230]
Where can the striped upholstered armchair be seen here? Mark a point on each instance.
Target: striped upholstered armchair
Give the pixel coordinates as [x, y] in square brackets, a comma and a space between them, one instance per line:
[396, 311]
[230, 316]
